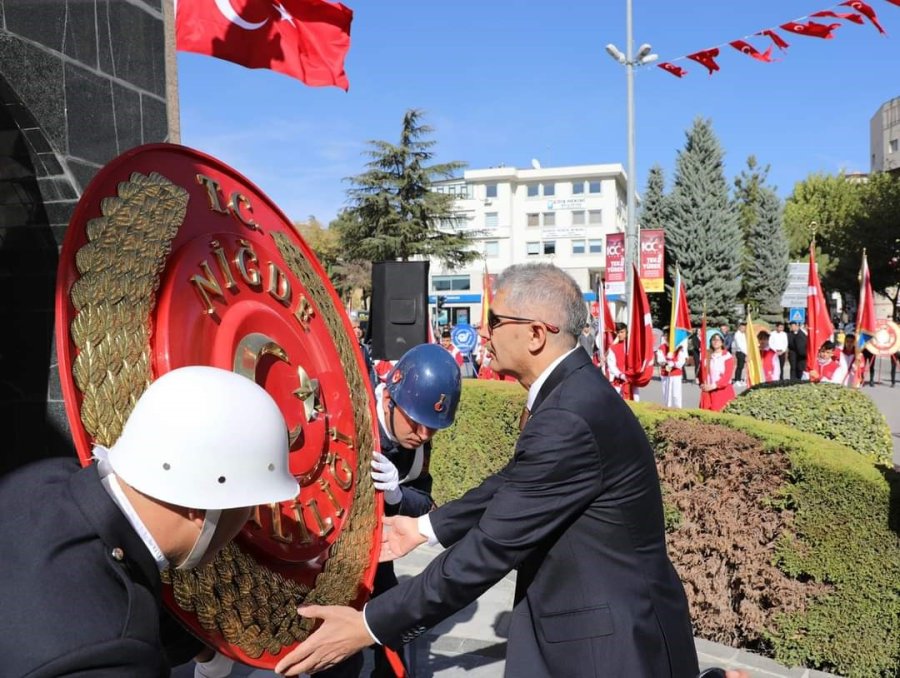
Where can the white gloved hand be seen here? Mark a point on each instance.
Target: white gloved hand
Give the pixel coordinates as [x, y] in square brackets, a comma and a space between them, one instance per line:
[386, 478]
[217, 667]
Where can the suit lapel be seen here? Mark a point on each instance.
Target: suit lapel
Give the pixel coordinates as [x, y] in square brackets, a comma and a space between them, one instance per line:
[576, 360]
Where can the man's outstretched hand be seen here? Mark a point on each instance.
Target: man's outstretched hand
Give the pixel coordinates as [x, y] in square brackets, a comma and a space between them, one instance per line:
[399, 536]
[342, 633]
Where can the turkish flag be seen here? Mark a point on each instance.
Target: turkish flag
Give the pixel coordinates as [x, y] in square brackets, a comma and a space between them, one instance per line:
[818, 320]
[677, 71]
[639, 354]
[811, 29]
[894, 2]
[866, 10]
[751, 51]
[849, 16]
[777, 39]
[707, 58]
[305, 39]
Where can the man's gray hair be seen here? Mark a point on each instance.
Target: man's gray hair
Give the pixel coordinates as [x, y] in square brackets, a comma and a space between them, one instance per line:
[544, 292]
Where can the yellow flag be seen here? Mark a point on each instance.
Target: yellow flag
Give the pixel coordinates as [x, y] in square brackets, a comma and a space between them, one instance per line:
[754, 360]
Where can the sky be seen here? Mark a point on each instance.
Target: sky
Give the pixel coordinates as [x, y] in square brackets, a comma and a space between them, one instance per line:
[503, 82]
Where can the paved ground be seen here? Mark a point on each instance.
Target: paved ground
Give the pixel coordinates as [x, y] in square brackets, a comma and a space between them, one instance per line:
[472, 643]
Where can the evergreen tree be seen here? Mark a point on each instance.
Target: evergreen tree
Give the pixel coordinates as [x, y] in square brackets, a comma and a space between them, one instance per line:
[702, 232]
[653, 216]
[766, 266]
[394, 214]
[764, 254]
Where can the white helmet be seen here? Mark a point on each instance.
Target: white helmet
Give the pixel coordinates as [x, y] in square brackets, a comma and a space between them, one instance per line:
[205, 438]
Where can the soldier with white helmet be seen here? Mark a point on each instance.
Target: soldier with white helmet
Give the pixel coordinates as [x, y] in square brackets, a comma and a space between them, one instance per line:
[83, 548]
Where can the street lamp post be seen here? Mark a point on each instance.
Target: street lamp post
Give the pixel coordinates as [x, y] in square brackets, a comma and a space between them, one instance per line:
[630, 61]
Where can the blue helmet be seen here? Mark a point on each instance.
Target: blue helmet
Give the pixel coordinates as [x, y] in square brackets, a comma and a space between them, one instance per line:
[426, 384]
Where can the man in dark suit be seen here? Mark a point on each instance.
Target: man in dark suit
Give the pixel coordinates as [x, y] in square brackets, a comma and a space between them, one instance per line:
[82, 549]
[797, 341]
[577, 511]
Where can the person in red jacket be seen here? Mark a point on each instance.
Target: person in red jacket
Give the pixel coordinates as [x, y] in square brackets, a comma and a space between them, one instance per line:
[829, 369]
[716, 390]
[447, 343]
[615, 363]
[770, 360]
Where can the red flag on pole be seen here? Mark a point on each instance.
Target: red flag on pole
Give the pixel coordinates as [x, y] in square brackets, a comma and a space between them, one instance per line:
[639, 353]
[865, 315]
[305, 39]
[606, 331]
[818, 319]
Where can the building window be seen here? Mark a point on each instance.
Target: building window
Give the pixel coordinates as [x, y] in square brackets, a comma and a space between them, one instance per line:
[549, 218]
[578, 247]
[549, 189]
[549, 247]
[490, 220]
[595, 217]
[533, 219]
[593, 187]
[534, 190]
[463, 191]
[491, 248]
[578, 218]
[532, 248]
[577, 187]
[894, 143]
[447, 283]
[595, 246]
[490, 191]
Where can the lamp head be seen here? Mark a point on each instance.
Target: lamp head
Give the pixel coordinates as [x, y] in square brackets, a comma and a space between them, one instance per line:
[614, 52]
[643, 51]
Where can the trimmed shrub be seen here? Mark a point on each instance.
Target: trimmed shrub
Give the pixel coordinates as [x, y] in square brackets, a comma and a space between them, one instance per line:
[845, 415]
[787, 543]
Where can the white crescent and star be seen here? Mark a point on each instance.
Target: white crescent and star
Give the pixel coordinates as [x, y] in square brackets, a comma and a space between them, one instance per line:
[228, 11]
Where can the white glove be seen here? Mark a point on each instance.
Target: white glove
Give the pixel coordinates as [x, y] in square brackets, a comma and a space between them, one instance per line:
[386, 478]
[217, 667]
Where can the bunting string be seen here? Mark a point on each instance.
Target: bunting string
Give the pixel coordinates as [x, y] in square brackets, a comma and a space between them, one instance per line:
[806, 26]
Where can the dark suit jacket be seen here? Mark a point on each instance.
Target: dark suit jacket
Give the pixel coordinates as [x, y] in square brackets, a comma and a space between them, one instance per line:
[69, 606]
[578, 511]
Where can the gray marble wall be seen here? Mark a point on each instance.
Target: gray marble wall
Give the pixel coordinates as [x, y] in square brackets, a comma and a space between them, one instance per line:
[81, 81]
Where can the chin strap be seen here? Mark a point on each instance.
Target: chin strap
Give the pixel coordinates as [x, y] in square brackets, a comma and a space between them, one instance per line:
[208, 529]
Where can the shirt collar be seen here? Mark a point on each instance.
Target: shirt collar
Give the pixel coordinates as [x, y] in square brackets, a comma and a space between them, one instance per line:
[379, 409]
[536, 386]
[111, 485]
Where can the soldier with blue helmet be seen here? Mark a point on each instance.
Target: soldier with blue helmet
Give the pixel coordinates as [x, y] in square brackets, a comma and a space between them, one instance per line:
[419, 398]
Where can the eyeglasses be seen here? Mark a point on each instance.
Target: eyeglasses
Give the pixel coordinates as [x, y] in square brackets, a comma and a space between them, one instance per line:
[494, 320]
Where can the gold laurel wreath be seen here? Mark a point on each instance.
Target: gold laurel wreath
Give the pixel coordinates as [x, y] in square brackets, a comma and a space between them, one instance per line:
[251, 606]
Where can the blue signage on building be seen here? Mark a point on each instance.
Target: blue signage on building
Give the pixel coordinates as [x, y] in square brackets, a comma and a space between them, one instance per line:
[797, 315]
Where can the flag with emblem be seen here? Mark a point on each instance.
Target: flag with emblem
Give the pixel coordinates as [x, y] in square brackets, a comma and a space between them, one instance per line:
[754, 357]
[680, 323]
[865, 314]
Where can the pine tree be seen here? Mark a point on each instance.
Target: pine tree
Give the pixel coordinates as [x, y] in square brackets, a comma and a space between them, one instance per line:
[703, 235]
[394, 214]
[764, 256]
[765, 272]
[653, 216]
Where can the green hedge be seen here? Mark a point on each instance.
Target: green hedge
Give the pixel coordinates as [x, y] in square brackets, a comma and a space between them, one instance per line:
[845, 415]
[843, 531]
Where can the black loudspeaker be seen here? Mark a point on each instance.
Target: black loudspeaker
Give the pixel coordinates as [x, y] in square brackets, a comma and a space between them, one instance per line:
[399, 317]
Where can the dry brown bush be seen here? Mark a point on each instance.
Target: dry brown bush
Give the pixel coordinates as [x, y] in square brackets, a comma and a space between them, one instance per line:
[725, 485]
